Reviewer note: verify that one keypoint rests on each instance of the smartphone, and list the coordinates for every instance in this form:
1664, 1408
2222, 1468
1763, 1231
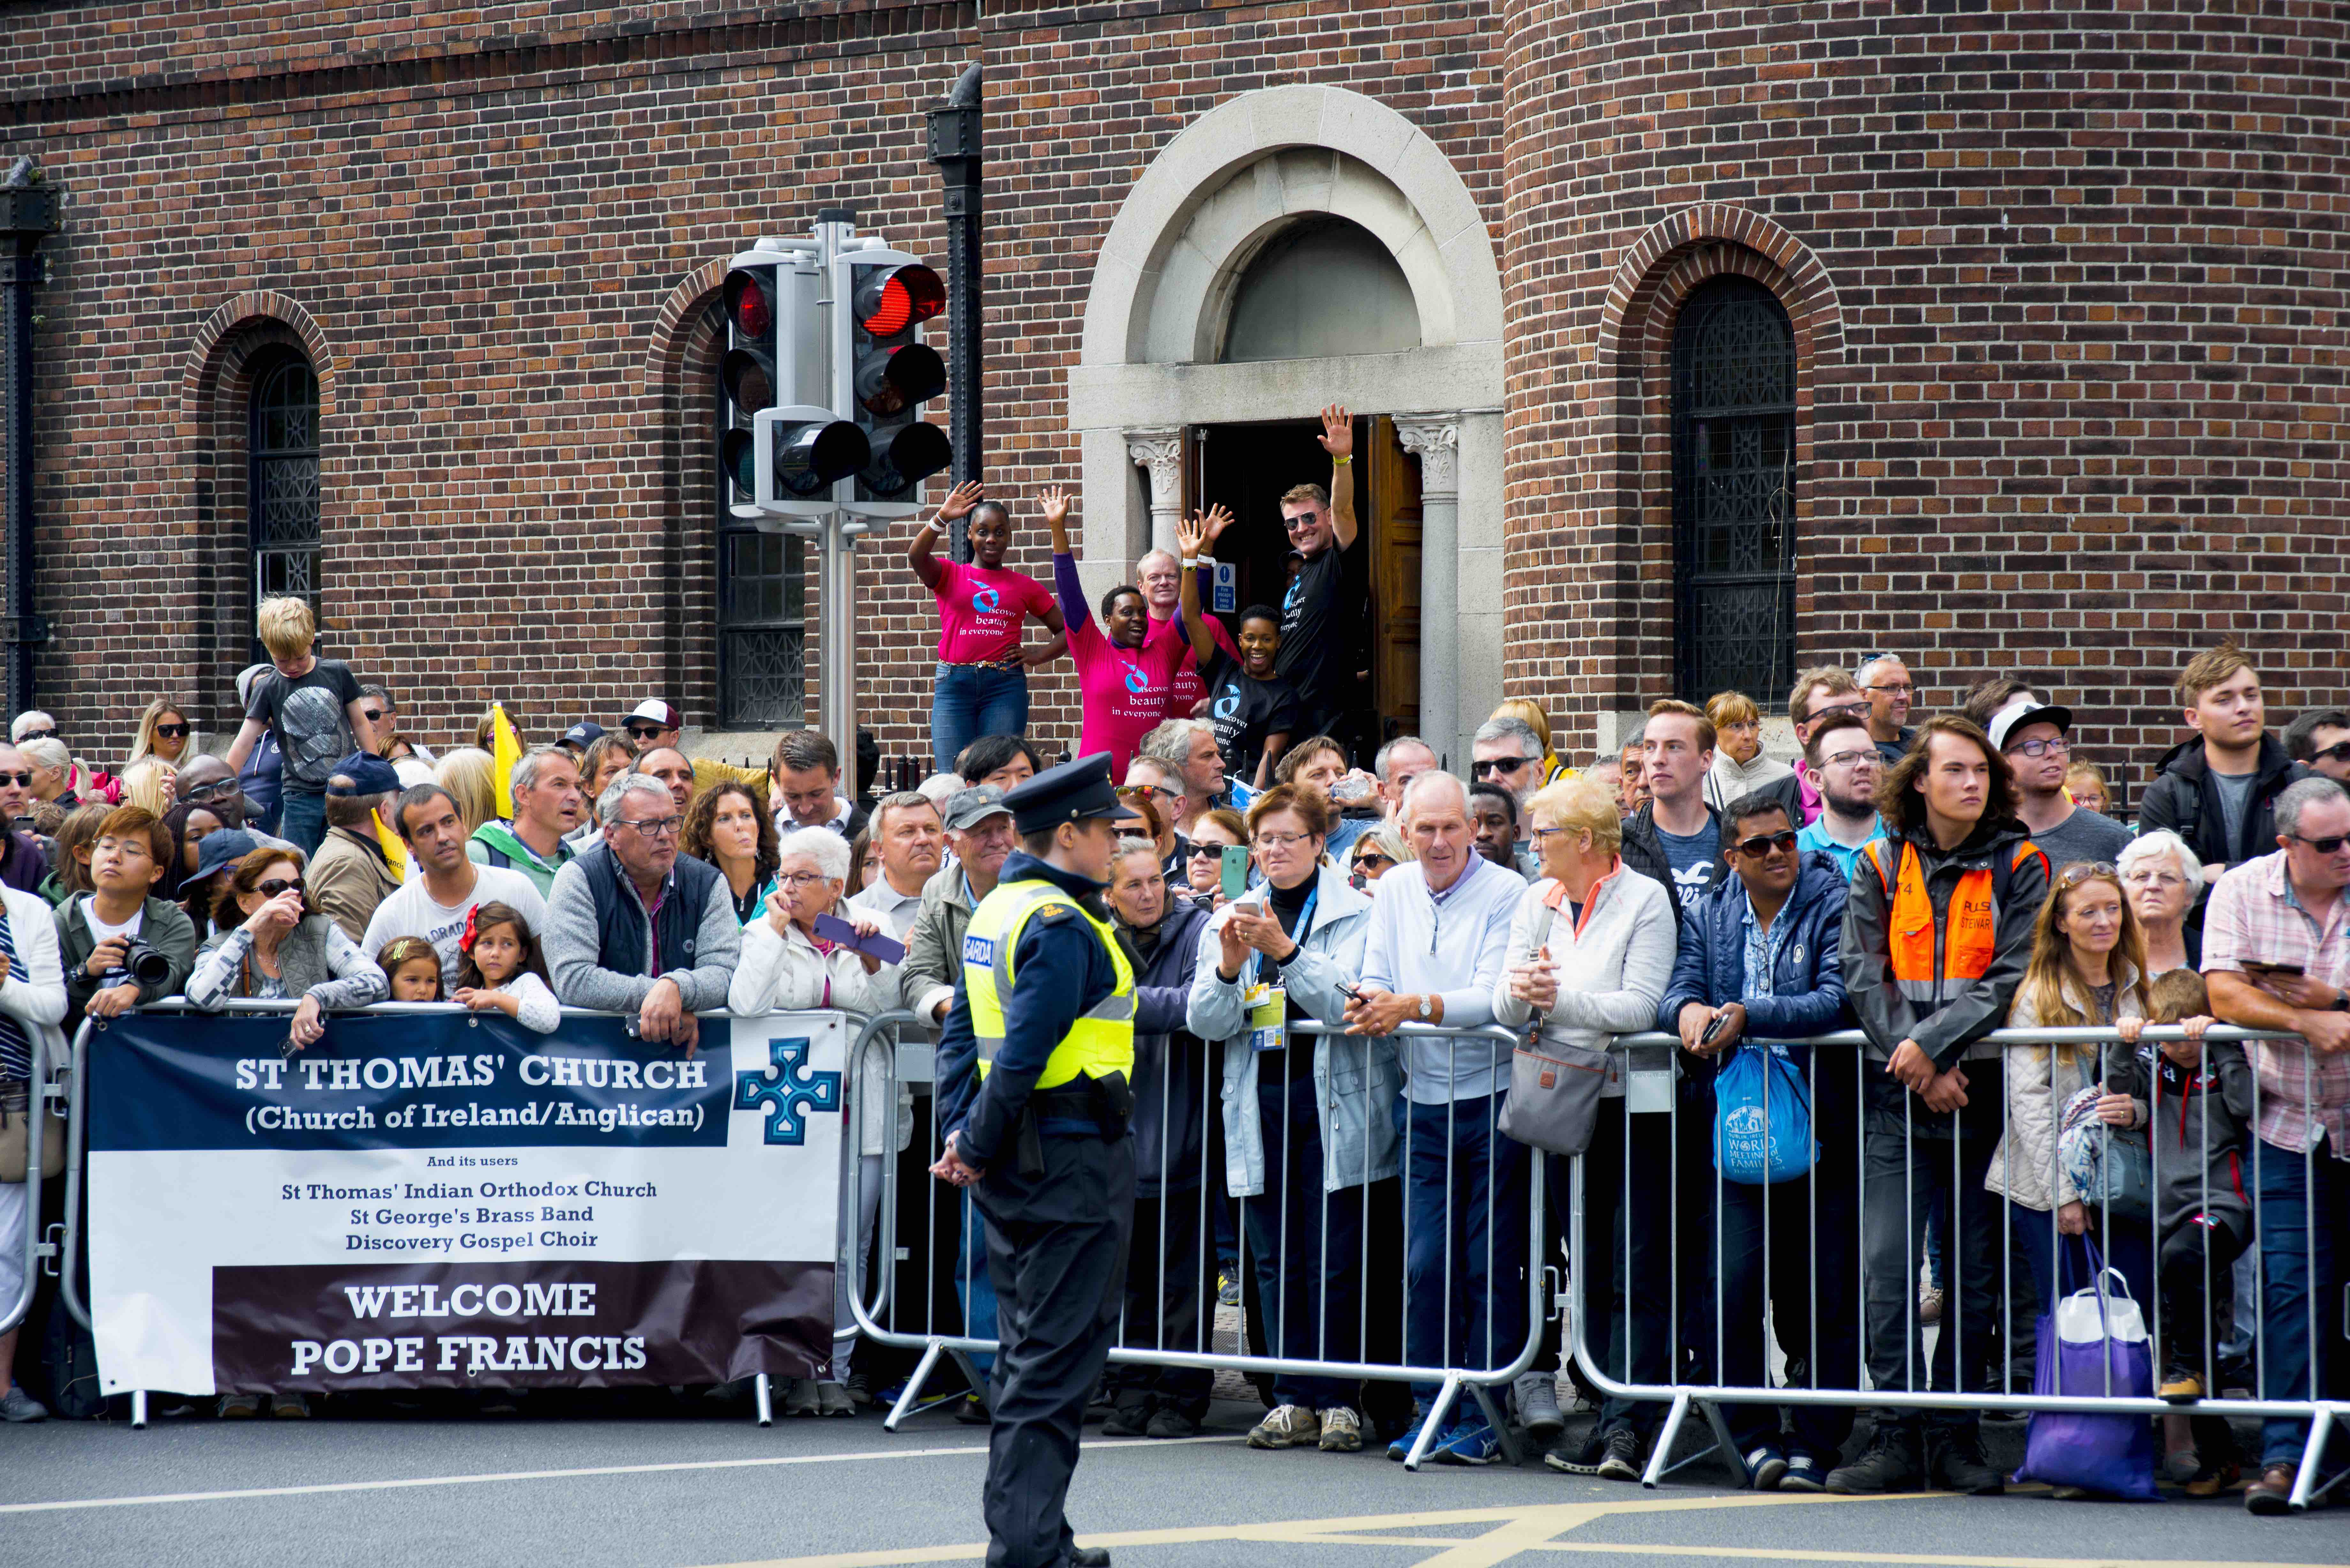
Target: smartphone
2255, 966
1720, 1021
1235, 870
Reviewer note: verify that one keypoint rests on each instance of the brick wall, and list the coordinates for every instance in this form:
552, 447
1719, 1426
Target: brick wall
2066, 285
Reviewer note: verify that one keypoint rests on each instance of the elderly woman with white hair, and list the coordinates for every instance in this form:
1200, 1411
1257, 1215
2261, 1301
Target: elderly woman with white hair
2162, 879
786, 966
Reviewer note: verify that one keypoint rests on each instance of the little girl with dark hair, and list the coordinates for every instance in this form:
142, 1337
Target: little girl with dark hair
502, 972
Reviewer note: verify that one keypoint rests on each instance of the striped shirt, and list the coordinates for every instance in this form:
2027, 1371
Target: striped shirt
2253, 916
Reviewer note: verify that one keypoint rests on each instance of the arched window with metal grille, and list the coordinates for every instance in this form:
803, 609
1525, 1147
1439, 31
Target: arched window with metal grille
282, 489
762, 606
1733, 493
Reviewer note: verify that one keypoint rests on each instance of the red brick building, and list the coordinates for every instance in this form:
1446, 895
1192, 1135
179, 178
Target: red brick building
1692, 343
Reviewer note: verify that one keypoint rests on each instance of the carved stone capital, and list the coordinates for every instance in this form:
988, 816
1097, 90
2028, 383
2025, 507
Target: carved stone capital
1435, 440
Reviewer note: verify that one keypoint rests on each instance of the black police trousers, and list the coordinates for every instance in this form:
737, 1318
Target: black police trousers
1057, 1248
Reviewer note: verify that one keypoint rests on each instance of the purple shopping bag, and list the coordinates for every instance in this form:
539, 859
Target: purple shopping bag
2094, 1343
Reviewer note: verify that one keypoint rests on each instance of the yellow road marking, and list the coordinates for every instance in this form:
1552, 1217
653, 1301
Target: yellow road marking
1518, 1530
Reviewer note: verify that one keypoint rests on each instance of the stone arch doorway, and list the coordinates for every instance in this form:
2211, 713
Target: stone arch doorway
1283, 178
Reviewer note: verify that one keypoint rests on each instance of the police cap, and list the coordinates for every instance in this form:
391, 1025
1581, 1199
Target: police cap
1068, 792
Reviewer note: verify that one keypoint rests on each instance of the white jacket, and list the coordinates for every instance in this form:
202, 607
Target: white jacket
1728, 779
2040, 1079
34, 994
787, 975
1612, 969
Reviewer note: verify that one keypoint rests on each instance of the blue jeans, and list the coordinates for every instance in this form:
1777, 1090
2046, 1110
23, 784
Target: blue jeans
2129, 1247
974, 1286
2302, 1215
304, 825
1465, 1193
969, 702
1308, 1246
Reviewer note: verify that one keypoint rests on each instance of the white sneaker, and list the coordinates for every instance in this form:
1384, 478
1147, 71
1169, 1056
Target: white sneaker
1538, 1409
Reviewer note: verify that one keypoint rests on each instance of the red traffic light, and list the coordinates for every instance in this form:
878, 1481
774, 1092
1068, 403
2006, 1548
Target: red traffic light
891, 380
890, 301
749, 309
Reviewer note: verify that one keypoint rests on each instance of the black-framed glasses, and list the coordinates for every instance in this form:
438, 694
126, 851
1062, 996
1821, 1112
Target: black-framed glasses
1210, 850
655, 826
271, 887
1303, 521
215, 790
2322, 846
174, 731
2060, 746
1855, 709
1497, 764
2339, 752
1849, 759
2079, 871
37, 735
1762, 844
642, 732
23, 779
1903, 687
372, 715
1369, 855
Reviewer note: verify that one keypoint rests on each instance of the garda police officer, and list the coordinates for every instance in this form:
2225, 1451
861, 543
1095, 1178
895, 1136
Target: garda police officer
1033, 1069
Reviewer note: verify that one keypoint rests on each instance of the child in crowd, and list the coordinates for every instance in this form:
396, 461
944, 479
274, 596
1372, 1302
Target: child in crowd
413, 968
502, 972
2087, 786
2202, 1105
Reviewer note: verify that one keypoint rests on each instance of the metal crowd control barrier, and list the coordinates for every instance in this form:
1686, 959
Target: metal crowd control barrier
1666, 1146
1451, 1372
40, 1090
75, 1094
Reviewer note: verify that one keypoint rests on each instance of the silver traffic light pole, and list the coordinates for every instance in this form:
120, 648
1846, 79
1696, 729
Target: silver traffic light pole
835, 545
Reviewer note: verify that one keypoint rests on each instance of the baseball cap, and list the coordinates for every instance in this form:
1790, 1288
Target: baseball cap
652, 710
2026, 710
369, 775
967, 808
583, 734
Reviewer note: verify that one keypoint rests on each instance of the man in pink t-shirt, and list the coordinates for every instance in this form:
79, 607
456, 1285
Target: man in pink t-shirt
1160, 577
983, 608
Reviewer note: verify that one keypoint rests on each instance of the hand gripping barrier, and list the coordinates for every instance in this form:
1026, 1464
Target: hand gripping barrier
1311, 1248
1896, 1174
74, 1093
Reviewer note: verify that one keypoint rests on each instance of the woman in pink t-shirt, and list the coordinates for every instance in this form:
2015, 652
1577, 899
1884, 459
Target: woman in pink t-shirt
982, 676
1123, 679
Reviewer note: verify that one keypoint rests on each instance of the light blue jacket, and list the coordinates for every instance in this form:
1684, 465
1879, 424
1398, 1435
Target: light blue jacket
1357, 1079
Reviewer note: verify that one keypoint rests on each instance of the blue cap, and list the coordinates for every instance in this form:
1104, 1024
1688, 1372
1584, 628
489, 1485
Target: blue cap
222, 848
1068, 792
369, 775
583, 734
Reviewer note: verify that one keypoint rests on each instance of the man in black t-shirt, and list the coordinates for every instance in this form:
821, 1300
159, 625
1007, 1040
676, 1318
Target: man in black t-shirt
1323, 615
315, 710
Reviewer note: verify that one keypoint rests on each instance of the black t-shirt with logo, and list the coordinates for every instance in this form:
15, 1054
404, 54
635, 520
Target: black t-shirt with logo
310, 714
1244, 710
1320, 635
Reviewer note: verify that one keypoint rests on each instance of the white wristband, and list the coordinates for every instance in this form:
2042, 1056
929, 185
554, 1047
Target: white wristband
1190, 563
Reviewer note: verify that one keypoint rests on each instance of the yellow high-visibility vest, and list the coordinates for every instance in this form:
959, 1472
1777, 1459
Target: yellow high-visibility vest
1101, 1040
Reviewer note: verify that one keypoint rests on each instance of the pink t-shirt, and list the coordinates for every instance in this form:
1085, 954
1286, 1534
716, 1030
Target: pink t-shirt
1124, 690
1189, 688
982, 611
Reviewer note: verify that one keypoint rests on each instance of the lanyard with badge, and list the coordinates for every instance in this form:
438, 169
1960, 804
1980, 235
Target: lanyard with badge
1268, 1005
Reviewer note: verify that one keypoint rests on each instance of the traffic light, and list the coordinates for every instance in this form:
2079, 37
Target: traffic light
887, 372
753, 303
797, 454
780, 455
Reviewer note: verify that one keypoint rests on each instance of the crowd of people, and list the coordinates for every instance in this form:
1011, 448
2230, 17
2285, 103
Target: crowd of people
1288, 912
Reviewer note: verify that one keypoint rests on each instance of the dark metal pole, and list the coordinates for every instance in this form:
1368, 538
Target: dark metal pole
955, 149
28, 210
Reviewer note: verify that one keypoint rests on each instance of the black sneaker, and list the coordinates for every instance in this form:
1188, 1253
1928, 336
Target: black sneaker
1890, 1464
1622, 1460
1958, 1465
972, 1411
1169, 1422
1583, 1459
1128, 1419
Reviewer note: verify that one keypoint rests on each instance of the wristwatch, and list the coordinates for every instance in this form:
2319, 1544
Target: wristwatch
1427, 1008
2341, 1002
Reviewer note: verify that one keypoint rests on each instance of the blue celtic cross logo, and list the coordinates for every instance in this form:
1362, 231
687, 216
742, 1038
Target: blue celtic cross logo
793, 1090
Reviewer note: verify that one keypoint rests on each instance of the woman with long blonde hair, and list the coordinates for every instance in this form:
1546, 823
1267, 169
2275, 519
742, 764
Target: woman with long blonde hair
164, 731
465, 771
2088, 970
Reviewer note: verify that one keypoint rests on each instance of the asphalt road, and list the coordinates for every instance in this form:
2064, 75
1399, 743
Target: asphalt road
587, 1491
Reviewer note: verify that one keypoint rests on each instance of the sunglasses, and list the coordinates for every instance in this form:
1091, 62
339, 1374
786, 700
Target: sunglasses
37, 735
1207, 851
638, 731
372, 715
23, 780
2339, 752
1372, 857
1298, 525
174, 731
2322, 846
1498, 764
2081, 871
271, 887
1762, 844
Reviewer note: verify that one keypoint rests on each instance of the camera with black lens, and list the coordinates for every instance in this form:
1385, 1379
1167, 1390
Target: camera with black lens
146, 963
